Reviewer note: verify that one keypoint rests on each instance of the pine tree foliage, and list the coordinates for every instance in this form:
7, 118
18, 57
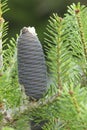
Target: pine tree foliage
9, 87
78, 34
4, 8
58, 57
65, 49
64, 106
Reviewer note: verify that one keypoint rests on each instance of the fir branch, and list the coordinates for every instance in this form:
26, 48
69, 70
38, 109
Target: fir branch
78, 16
1, 28
4, 6
75, 40
75, 102
9, 54
57, 55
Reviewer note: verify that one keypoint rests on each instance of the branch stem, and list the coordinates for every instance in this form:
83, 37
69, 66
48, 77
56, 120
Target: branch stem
58, 57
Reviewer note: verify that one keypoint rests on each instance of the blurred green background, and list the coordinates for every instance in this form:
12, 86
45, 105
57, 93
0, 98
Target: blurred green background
34, 13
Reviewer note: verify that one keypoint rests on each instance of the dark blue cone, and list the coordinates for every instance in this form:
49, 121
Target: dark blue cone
31, 64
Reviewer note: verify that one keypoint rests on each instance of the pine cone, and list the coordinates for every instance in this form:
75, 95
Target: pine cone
31, 64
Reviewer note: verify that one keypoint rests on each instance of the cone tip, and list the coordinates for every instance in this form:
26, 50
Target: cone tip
32, 30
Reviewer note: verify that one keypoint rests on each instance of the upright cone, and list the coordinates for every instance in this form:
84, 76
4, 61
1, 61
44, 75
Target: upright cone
31, 64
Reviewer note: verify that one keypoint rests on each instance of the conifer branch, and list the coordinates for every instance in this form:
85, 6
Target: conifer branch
78, 12
1, 29
75, 102
58, 56
41, 103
